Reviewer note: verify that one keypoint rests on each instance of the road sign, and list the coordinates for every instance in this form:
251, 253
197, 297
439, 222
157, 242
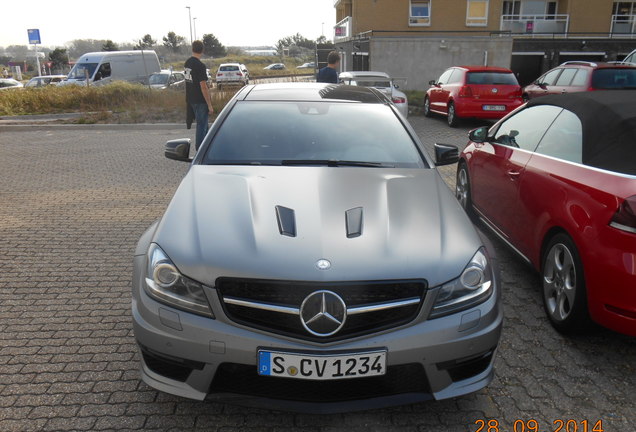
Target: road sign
34, 36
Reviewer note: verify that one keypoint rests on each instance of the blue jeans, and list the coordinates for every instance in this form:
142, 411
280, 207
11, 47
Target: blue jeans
201, 113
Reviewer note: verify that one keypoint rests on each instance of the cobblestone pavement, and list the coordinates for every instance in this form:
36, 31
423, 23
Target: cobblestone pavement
73, 204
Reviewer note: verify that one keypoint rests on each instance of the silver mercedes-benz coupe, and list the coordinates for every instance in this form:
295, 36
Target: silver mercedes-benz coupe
313, 259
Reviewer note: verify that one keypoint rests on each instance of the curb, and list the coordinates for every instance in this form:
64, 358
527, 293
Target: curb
131, 127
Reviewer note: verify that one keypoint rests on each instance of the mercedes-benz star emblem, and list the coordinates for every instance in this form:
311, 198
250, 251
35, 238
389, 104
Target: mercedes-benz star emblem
323, 264
494, 90
323, 313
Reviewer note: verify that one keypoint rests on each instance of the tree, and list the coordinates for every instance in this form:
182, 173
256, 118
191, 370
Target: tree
212, 47
59, 58
109, 45
295, 44
146, 42
78, 47
173, 42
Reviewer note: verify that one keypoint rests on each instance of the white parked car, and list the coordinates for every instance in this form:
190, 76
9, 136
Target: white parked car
381, 81
8, 83
232, 73
45, 80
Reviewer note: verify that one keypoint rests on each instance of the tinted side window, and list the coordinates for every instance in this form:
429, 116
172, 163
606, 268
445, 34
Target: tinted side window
445, 77
580, 79
550, 77
526, 128
566, 77
564, 139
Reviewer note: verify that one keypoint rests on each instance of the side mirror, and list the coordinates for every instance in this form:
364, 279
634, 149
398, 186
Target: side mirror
479, 135
178, 149
446, 154
432, 82
542, 85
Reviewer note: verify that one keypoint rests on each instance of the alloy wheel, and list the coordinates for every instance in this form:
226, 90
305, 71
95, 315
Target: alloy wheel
461, 187
559, 282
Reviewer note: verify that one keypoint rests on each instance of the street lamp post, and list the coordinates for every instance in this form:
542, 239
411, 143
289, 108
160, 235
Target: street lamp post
194, 23
190, 22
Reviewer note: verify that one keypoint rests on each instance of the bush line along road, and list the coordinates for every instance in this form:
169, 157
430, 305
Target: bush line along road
73, 204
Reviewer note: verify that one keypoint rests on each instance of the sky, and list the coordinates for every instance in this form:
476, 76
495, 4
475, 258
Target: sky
233, 22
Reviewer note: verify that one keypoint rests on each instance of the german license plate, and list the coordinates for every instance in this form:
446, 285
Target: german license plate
321, 367
494, 107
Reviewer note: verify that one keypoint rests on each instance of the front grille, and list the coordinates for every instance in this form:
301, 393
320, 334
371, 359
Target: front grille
290, 294
244, 380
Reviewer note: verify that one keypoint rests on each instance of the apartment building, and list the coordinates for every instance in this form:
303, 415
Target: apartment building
530, 36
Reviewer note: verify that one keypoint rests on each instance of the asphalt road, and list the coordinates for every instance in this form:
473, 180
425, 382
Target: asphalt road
73, 204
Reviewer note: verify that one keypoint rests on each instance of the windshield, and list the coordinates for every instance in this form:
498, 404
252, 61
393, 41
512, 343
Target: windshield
312, 133
614, 78
491, 78
158, 79
79, 70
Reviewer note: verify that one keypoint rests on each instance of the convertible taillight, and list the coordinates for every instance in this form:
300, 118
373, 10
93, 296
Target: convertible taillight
398, 100
625, 217
466, 91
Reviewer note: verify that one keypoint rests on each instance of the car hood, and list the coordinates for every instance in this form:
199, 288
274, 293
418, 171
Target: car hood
223, 221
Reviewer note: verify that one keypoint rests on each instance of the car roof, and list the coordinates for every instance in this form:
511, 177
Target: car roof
608, 118
355, 74
49, 76
313, 92
477, 68
597, 65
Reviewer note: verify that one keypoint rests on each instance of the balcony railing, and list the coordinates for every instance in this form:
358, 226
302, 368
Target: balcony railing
342, 30
536, 24
623, 24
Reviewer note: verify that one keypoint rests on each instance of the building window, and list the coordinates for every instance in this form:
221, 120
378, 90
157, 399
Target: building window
420, 13
477, 13
511, 8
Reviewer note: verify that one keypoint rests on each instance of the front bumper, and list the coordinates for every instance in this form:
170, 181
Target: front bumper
197, 357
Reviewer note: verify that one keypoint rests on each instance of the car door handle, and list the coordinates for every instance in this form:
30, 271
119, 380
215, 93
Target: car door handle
514, 175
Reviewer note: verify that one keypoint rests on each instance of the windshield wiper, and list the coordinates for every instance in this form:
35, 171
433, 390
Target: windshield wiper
334, 163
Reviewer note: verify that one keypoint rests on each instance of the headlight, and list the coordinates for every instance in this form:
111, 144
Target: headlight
164, 283
472, 287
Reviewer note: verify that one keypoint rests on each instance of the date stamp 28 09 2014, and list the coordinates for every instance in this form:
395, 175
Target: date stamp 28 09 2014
559, 425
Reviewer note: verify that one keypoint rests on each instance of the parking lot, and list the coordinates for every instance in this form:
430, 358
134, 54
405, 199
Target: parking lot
74, 201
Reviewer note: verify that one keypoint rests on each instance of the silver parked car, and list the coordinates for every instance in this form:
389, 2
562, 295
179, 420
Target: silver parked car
167, 79
381, 81
313, 259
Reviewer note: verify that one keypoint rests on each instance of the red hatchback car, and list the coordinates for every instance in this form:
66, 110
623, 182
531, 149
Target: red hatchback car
556, 180
473, 92
578, 76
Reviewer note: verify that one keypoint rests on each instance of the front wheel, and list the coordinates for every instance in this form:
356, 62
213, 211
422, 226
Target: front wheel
564, 293
462, 189
452, 118
427, 107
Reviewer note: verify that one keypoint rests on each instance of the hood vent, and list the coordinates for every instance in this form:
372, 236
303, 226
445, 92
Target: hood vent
353, 220
286, 221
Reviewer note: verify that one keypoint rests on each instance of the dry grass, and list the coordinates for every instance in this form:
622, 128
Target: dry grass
118, 102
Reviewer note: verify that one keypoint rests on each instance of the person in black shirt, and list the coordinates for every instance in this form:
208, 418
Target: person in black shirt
329, 73
197, 91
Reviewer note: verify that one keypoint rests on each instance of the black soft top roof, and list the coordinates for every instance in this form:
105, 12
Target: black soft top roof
609, 126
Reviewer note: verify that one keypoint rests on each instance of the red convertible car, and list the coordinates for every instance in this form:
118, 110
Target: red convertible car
556, 180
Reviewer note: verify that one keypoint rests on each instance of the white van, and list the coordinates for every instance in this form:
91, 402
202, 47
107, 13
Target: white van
105, 67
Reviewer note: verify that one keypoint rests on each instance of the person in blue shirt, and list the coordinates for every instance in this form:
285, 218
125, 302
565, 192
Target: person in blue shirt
329, 73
